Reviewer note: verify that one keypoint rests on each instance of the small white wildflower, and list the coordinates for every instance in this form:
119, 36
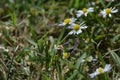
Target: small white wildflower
77, 29
84, 11
95, 2
89, 59
58, 47
108, 12
67, 21
101, 70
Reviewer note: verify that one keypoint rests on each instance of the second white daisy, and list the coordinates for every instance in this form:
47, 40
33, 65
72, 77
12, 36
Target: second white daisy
76, 28
101, 70
108, 11
84, 11
67, 21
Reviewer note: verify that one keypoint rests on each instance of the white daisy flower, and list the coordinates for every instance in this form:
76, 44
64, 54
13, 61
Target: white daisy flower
58, 47
84, 11
95, 2
108, 11
67, 21
77, 29
89, 59
101, 70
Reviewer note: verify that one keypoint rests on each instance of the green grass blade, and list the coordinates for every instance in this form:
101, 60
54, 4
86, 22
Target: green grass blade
116, 58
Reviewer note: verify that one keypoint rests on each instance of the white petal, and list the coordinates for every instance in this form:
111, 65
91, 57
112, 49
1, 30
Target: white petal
107, 67
82, 23
83, 27
71, 32
86, 13
112, 8
102, 12
61, 24
114, 11
92, 75
90, 9
79, 13
104, 15
110, 15
71, 26
74, 32
79, 31
73, 19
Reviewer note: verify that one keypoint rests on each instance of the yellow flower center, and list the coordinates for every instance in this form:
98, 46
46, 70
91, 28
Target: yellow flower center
67, 21
84, 10
108, 11
76, 27
60, 46
66, 55
100, 70
97, 1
